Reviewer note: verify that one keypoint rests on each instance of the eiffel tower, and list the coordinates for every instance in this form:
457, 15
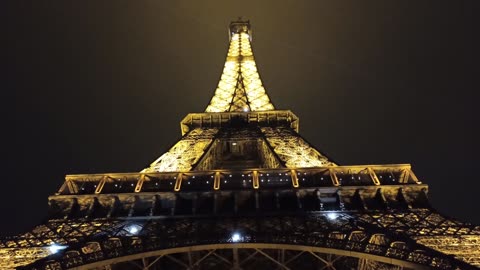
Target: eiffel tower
243, 190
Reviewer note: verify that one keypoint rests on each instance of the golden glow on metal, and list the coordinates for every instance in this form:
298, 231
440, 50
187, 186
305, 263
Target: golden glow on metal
139, 185
100, 185
263, 118
334, 178
464, 247
373, 176
293, 150
294, 178
185, 153
178, 183
216, 183
240, 95
10, 258
256, 184
334, 173
240, 88
180, 157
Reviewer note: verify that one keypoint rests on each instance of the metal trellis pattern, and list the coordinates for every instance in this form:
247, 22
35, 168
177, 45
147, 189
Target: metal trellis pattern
185, 153
293, 150
240, 88
243, 190
339, 232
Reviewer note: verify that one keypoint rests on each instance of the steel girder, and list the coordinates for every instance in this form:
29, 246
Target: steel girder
342, 234
244, 256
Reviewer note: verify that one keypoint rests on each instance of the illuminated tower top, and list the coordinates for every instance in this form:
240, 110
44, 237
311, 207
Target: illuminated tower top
240, 128
240, 88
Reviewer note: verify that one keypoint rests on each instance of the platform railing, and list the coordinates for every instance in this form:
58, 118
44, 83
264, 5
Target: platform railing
282, 178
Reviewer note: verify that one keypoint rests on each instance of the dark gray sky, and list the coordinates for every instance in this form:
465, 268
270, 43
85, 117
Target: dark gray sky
100, 86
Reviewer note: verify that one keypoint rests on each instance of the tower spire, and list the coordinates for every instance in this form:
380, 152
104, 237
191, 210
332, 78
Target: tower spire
240, 88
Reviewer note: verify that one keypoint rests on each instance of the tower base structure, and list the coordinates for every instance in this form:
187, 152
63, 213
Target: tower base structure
243, 190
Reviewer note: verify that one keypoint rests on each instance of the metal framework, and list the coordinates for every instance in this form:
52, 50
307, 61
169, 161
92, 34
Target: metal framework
185, 153
243, 190
370, 215
293, 150
240, 88
347, 233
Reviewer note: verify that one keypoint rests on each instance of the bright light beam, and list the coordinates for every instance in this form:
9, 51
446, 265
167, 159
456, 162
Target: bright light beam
236, 237
54, 248
332, 216
133, 229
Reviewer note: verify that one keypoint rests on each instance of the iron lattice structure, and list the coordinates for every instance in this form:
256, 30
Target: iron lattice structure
240, 88
243, 190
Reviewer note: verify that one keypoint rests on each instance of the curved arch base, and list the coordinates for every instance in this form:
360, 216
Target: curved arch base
251, 256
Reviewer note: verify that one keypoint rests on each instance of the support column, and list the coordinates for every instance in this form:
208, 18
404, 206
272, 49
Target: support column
236, 264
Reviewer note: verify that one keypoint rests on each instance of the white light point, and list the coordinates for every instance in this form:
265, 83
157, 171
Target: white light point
332, 216
236, 237
133, 229
54, 248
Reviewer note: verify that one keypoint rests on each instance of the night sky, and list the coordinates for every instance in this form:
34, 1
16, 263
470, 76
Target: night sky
101, 86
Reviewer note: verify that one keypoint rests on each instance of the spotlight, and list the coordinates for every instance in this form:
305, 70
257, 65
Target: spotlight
133, 229
332, 216
236, 237
54, 248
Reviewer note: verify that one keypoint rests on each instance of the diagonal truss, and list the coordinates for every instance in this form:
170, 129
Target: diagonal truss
252, 258
371, 245
192, 208
240, 88
185, 153
294, 151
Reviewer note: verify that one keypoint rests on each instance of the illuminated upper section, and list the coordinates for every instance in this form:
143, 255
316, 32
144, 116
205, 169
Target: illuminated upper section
240, 127
240, 88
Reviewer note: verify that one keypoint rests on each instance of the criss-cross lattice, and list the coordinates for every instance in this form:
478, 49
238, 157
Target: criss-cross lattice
240, 88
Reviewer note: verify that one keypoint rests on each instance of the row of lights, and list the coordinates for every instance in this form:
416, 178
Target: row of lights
244, 181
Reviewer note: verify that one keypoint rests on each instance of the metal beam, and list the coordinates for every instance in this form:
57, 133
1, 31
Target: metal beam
153, 262
167, 252
272, 259
139, 185
222, 258
236, 264
177, 261
204, 257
